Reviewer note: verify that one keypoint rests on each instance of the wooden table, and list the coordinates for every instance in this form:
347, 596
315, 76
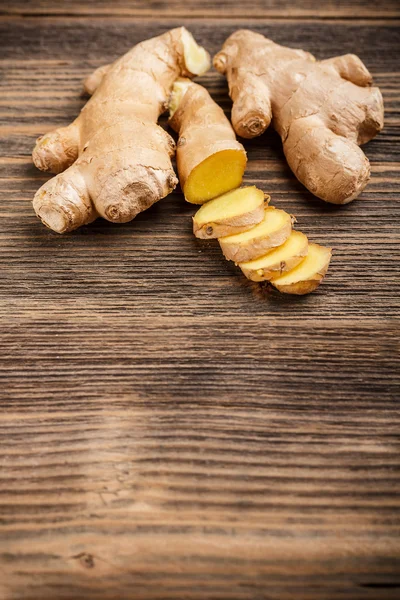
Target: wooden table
170, 430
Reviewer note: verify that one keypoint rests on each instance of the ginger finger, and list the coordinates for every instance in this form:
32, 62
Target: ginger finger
57, 150
92, 81
210, 160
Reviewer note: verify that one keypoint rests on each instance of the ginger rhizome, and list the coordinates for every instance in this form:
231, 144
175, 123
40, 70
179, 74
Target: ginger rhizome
114, 161
323, 110
210, 160
264, 245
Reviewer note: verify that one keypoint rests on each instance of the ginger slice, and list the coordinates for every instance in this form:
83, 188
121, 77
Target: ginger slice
234, 212
273, 231
307, 276
277, 261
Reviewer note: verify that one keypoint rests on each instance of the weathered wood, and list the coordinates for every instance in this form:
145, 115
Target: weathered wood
170, 430
157, 9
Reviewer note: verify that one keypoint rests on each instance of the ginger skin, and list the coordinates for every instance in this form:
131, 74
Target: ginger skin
210, 160
114, 161
323, 110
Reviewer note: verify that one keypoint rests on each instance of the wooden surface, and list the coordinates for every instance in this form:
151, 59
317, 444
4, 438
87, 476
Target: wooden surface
168, 429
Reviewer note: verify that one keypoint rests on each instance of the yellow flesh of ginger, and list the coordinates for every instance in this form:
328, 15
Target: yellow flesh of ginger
290, 253
316, 262
273, 221
233, 204
219, 173
178, 91
197, 60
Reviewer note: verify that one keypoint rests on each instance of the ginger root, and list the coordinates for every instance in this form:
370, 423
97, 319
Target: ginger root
210, 160
323, 110
233, 212
114, 161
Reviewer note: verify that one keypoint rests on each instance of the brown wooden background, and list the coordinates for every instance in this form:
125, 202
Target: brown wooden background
168, 429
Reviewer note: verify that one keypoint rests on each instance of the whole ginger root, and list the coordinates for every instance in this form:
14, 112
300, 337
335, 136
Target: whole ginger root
114, 161
323, 110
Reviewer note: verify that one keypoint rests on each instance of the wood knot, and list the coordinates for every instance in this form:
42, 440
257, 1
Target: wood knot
86, 560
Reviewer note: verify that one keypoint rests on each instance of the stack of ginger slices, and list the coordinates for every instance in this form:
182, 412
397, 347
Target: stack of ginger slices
261, 240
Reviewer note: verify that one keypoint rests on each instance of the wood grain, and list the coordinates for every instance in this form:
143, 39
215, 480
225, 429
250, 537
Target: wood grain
168, 429
157, 9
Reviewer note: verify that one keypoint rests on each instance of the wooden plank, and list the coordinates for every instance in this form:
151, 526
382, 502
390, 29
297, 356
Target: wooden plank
97, 40
96, 496
354, 9
170, 430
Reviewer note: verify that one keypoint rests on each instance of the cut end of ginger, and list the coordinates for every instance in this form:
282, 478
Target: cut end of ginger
219, 173
179, 89
273, 231
307, 276
233, 212
277, 261
197, 59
